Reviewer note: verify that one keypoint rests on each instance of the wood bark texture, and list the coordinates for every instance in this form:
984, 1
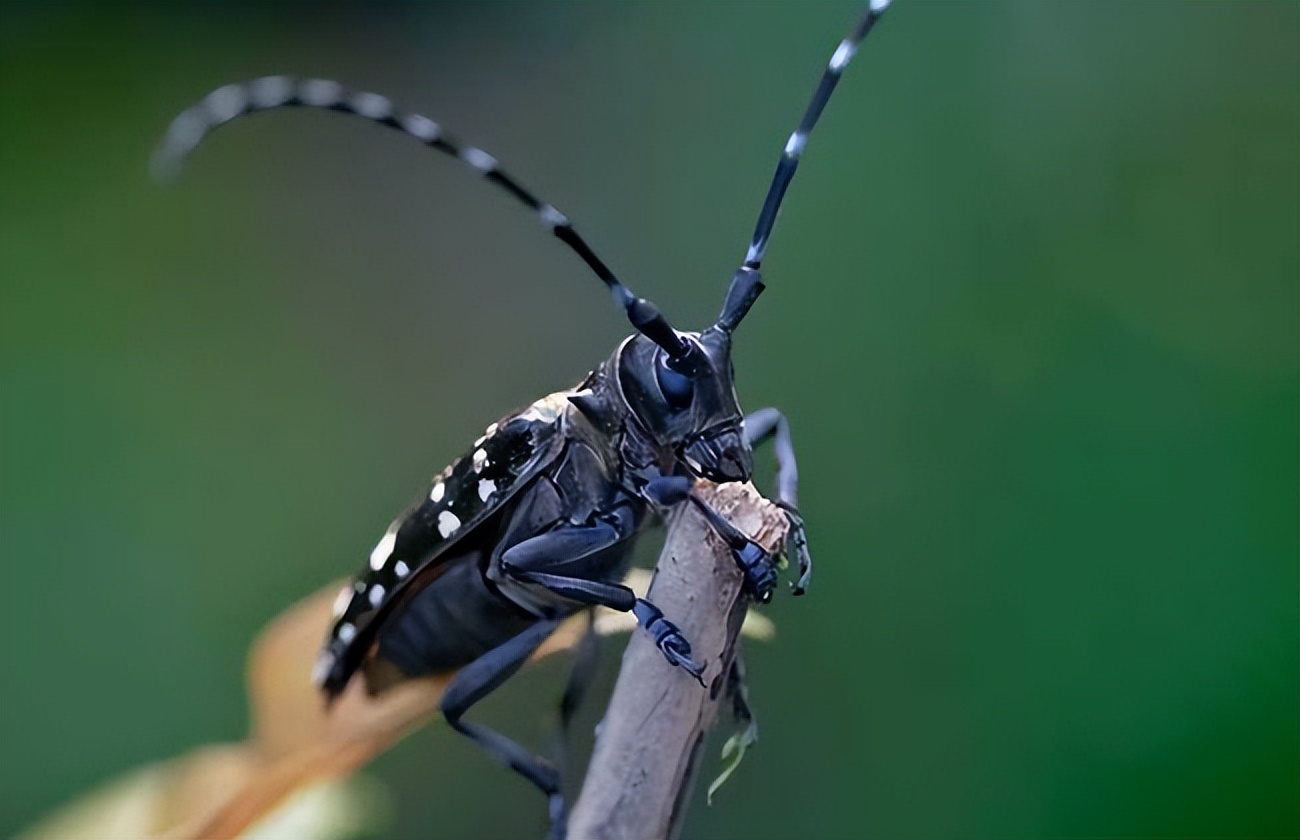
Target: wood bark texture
645, 759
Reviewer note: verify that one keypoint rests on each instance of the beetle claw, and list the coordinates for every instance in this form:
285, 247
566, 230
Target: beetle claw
677, 651
670, 641
797, 543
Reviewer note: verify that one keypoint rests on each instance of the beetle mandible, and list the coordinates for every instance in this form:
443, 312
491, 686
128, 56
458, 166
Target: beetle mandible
537, 520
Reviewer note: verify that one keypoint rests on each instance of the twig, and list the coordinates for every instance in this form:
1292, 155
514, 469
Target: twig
645, 760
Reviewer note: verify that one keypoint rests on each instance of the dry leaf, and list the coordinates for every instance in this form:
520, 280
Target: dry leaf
289, 779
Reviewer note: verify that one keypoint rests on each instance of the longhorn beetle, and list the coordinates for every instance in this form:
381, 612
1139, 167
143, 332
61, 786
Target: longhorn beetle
536, 521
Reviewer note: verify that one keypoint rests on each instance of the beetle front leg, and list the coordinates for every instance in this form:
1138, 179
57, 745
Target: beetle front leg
771, 423
755, 562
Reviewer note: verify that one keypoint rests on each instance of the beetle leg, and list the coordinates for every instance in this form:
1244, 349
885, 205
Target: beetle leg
754, 561
668, 490
797, 540
667, 637
581, 675
670, 641
555, 560
561, 560
771, 423
478, 679
594, 592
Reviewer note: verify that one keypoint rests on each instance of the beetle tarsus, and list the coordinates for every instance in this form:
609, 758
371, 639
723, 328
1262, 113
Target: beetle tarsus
754, 561
670, 641
759, 570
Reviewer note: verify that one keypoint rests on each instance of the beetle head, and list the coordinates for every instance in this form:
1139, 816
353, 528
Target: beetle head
695, 414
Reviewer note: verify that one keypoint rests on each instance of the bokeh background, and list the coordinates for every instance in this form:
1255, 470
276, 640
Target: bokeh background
1032, 311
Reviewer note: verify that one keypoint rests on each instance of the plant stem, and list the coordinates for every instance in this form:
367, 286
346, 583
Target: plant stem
646, 756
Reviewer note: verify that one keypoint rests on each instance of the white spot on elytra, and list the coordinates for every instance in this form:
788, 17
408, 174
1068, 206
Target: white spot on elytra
486, 487
843, 55
480, 460
401, 569
341, 601
879, 6
487, 435
435, 495
422, 127
795, 145
383, 551
551, 406
346, 632
448, 522
321, 668
376, 595
478, 159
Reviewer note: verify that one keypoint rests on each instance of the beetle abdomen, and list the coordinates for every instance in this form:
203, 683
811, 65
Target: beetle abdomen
447, 624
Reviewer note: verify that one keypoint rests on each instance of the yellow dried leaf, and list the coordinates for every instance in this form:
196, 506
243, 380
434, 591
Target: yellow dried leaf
286, 778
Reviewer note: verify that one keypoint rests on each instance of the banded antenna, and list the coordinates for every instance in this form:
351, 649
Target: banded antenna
747, 284
230, 102
798, 141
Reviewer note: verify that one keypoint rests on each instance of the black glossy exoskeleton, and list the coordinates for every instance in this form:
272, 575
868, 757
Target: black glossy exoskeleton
537, 520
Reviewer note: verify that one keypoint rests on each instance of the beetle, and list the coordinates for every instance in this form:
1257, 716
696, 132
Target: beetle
536, 521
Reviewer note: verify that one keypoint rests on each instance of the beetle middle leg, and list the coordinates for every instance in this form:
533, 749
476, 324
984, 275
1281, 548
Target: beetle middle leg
563, 561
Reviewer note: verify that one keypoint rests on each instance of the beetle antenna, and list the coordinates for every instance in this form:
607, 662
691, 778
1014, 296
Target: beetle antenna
799, 139
230, 102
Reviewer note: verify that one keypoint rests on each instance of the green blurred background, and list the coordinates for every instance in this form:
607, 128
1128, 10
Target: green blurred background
1032, 311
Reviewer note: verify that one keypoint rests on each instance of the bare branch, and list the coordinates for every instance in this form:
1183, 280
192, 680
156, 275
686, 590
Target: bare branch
644, 763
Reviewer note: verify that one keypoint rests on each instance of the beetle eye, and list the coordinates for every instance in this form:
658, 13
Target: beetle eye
677, 388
